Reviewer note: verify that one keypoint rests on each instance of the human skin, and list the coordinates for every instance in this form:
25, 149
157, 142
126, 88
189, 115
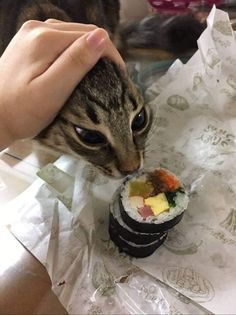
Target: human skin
40, 68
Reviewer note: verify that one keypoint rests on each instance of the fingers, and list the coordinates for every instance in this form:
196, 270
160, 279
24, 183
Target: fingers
45, 49
84, 53
74, 63
112, 53
44, 28
58, 25
69, 26
53, 21
67, 71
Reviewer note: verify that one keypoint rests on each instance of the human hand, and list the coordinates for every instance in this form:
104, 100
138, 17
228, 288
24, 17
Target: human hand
39, 70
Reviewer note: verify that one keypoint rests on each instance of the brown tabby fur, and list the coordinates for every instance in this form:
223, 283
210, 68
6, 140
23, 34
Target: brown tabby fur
105, 101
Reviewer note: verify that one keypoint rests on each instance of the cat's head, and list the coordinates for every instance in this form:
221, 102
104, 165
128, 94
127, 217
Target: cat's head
104, 121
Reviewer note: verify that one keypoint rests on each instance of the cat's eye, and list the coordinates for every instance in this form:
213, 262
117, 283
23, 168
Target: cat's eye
90, 137
140, 121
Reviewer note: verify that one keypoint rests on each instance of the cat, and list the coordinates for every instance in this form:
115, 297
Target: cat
106, 124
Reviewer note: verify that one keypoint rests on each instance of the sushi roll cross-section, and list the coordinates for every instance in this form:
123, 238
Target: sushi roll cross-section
144, 209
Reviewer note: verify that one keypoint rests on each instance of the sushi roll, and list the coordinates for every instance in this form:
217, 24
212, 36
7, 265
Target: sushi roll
131, 248
153, 202
143, 209
124, 230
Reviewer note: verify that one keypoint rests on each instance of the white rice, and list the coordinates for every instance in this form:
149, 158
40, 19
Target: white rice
181, 201
143, 245
115, 210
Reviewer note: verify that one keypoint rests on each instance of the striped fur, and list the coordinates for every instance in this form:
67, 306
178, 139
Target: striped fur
108, 107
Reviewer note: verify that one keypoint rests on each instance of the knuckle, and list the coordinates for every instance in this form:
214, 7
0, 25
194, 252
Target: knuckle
52, 21
79, 58
104, 32
36, 32
92, 26
75, 58
30, 24
40, 35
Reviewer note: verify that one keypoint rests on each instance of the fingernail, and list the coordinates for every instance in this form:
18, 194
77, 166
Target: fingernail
96, 40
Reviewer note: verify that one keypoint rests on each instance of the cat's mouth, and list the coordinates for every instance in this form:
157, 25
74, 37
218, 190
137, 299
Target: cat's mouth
107, 171
123, 170
117, 175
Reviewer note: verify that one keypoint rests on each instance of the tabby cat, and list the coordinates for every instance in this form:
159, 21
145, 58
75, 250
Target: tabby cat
105, 120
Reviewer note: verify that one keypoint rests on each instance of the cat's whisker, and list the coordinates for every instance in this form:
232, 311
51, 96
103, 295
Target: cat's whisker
150, 140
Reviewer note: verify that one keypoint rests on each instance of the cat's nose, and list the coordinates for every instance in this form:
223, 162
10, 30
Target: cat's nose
129, 168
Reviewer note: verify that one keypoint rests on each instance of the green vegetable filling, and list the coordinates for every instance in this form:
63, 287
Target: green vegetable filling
171, 195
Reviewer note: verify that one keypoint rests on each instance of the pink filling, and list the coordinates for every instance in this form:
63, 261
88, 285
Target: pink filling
145, 211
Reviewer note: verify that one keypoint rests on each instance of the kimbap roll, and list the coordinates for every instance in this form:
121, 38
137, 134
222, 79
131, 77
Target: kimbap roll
124, 230
131, 248
144, 209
